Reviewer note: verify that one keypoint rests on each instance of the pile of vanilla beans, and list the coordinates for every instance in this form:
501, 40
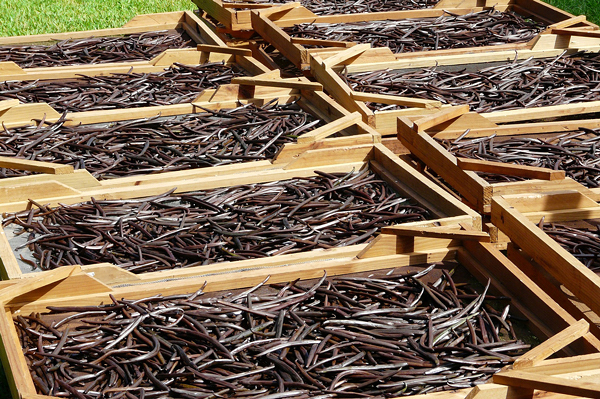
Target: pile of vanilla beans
577, 153
378, 336
176, 84
483, 28
95, 50
159, 144
519, 84
224, 224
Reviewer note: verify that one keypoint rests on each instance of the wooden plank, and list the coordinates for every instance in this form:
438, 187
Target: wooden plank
329, 129
530, 172
442, 116
473, 188
442, 232
274, 9
552, 345
557, 366
18, 192
35, 166
577, 32
399, 100
567, 22
347, 54
562, 265
40, 280
544, 202
322, 157
277, 37
6, 104
207, 34
530, 380
541, 186
9, 267
27, 112
303, 41
338, 89
224, 50
291, 83
16, 369
496, 391
543, 112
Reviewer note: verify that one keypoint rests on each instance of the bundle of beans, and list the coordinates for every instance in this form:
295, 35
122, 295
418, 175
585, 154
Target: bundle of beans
177, 84
157, 144
581, 243
345, 337
573, 152
520, 84
356, 6
483, 28
225, 224
95, 50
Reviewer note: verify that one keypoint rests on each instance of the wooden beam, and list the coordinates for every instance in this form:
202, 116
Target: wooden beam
304, 41
472, 187
552, 345
563, 266
576, 32
565, 386
41, 280
442, 116
347, 54
6, 104
330, 128
567, 22
225, 50
530, 172
292, 83
35, 166
275, 9
433, 232
399, 100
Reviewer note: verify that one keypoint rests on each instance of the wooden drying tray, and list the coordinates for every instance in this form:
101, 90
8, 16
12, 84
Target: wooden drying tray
324, 67
195, 27
235, 15
403, 250
66, 180
540, 256
460, 174
264, 23
13, 114
292, 162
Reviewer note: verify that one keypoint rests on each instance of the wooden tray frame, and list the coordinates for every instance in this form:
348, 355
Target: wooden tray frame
13, 114
198, 29
294, 161
270, 29
475, 190
76, 286
235, 16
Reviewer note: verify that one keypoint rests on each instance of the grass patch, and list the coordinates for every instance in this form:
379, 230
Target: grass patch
30, 17
589, 8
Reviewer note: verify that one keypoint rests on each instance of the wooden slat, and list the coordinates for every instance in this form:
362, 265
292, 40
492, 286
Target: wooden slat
6, 104
40, 280
577, 278
224, 50
347, 54
530, 172
304, 41
552, 345
277, 37
576, 32
565, 386
442, 116
329, 129
567, 22
9, 267
442, 232
399, 100
35, 166
292, 83
473, 188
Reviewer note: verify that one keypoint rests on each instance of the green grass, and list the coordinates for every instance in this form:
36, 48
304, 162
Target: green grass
29, 17
589, 8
